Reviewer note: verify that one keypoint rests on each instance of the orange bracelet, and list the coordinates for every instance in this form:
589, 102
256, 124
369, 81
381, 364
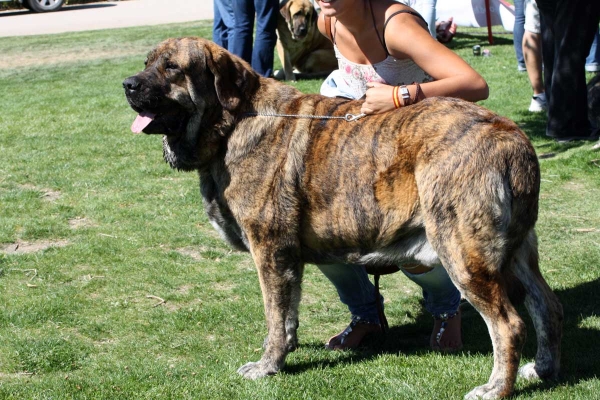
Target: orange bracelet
395, 97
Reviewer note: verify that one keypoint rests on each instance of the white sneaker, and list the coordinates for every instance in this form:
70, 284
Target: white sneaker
538, 103
592, 67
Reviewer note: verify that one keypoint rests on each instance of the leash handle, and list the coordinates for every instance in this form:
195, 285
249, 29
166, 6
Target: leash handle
354, 117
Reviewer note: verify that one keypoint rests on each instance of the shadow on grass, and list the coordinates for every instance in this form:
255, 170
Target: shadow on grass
580, 349
534, 126
468, 40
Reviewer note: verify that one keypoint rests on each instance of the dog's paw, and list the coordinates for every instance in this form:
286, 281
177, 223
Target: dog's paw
255, 370
528, 371
486, 391
535, 370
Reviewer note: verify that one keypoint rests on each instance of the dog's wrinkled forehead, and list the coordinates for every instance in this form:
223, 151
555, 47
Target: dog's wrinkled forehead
300, 8
181, 52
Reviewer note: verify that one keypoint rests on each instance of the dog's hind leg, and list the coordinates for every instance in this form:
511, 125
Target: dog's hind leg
280, 285
545, 311
506, 329
474, 267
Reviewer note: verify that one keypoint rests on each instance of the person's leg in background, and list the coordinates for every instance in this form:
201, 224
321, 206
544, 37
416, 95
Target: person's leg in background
427, 10
358, 293
442, 300
267, 12
568, 29
592, 62
518, 31
224, 23
532, 52
243, 11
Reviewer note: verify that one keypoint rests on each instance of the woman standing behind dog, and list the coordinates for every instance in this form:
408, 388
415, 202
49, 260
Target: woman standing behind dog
387, 56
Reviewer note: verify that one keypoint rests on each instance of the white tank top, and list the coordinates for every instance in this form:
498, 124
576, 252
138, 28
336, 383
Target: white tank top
389, 71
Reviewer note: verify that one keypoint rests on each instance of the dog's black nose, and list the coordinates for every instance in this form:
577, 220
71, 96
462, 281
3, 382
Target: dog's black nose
302, 31
131, 83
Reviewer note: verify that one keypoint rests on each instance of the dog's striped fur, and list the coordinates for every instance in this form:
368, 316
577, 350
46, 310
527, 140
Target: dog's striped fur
443, 180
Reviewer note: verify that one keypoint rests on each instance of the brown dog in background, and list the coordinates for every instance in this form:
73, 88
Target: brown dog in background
300, 45
293, 178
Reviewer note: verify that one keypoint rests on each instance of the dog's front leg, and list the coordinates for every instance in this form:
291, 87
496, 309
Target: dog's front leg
280, 281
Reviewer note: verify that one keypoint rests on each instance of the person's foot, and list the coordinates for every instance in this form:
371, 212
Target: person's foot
352, 336
447, 334
538, 103
592, 67
593, 135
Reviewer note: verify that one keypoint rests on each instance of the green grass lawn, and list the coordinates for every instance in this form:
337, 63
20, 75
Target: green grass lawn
95, 229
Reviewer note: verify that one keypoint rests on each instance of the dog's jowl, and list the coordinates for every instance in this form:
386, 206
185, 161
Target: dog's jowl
442, 181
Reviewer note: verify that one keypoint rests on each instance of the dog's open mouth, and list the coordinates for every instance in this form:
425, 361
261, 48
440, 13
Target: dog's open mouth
172, 123
142, 121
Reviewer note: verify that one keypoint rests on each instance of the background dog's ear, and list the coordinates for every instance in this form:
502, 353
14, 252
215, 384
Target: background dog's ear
232, 78
285, 11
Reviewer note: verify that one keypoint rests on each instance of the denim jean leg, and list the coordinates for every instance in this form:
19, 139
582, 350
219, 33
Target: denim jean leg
440, 294
219, 28
594, 57
519, 30
224, 23
243, 11
266, 36
354, 288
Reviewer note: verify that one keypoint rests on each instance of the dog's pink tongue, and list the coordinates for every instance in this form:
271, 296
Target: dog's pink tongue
141, 121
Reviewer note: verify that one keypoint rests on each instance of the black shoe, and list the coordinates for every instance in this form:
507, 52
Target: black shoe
594, 133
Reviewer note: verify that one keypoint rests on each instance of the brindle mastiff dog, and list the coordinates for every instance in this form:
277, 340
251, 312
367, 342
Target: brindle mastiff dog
442, 181
300, 45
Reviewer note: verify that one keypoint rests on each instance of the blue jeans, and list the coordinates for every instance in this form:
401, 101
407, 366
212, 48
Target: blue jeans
358, 293
594, 56
261, 54
223, 24
519, 30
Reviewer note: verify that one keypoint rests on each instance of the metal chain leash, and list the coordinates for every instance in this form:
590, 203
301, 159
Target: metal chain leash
348, 117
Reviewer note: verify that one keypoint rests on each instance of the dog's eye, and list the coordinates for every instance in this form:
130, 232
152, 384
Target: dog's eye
170, 65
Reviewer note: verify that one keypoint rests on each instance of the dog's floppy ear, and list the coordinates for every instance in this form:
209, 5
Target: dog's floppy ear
285, 11
232, 77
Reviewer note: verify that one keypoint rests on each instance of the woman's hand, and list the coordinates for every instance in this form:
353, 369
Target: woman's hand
378, 98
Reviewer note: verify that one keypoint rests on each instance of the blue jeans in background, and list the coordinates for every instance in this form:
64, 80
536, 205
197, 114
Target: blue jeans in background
259, 54
518, 31
224, 23
592, 62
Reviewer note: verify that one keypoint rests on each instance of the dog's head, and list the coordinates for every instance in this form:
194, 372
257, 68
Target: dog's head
189, 91
299, 16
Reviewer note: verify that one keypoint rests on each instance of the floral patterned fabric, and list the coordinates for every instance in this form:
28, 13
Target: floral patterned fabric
389, 71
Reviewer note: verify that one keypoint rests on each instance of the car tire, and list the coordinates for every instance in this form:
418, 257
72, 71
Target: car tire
43, 5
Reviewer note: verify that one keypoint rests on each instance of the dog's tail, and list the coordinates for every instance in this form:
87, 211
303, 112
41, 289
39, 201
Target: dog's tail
523, 179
